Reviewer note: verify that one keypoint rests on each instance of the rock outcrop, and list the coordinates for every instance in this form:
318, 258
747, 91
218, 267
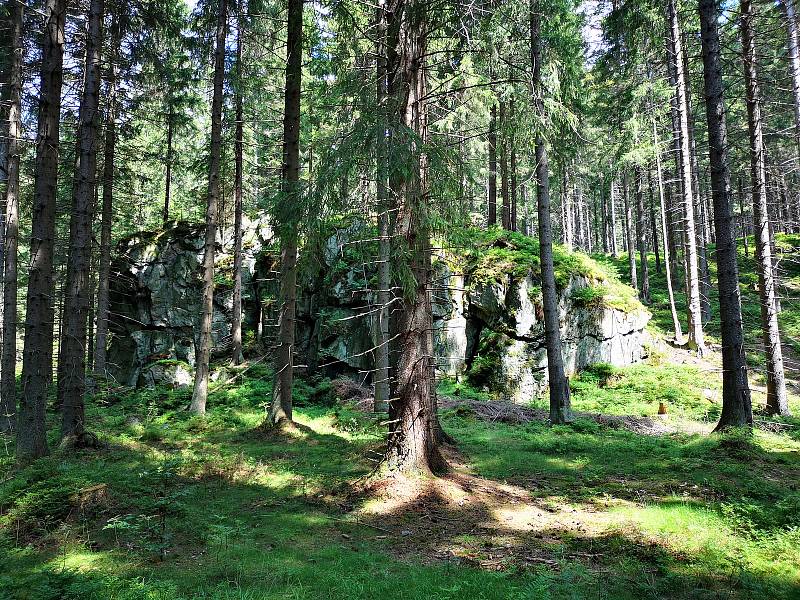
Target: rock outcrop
487, 310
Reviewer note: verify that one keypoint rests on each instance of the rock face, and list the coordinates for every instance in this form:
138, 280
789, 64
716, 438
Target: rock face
488, 329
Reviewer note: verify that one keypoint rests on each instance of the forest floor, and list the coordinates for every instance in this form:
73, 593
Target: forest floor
622, 503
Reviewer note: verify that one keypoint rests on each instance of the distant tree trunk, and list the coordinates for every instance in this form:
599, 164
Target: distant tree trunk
776, 383
794, 66
414, 433
613, 220
72, 357
653, 223
644, 292
8, 363
382, 387
630, 247
281, 409
736, 405
560, 406
203, 340
104, 268
236, 315
493, 166
604, 215
676, 63
668, 261
168, 178
742, 218
513, 184
506, 212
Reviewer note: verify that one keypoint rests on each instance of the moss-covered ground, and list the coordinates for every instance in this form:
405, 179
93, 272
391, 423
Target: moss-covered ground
180, 507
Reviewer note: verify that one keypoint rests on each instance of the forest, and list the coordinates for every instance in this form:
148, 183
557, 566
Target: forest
406, 299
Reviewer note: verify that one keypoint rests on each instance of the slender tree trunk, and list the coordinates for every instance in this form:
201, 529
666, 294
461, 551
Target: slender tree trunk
675, 60
281, 409
776, 384
493, 166
513, 217
630, 248
382, 387
236, 316
8, 363
653, 223
668, 262
604, 215
736, 405
168, 177
38, 344
104, 269
560, 406
506, 212
613, 220
794, 66
203, 340
72, 357
644, 292
414, 432
742, 218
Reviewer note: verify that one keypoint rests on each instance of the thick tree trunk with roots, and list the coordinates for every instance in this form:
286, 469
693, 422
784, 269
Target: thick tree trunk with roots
38, 345
560, 407
281, 408
203, 340
777, 402
736, 404
414, 432
678, 76
8, 363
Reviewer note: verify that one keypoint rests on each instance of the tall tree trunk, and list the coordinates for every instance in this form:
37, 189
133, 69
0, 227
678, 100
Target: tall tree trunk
560, 406
736, 405
669, 264
776, 383
603, 216
742, 218
676, 63
104, 269
513, 218
613, 219
492, 219
8, 363
281, 409
644, 292
168, 174
414, 433
630, 247
653, 223
382, 387
236, 316
504, 192
38, 344
794, 66
203, 340
72, 356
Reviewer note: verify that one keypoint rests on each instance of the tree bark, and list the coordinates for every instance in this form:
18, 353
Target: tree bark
492, 218
630, 247
736, 404
777, 402
236, 314
72, 356
676, 63
104, 268
203, 340
281, 409
794, 66
506, 212
513, 217
38, 344
8, 363
560, 406
382, 387
613, 219
414, 432
653, 222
